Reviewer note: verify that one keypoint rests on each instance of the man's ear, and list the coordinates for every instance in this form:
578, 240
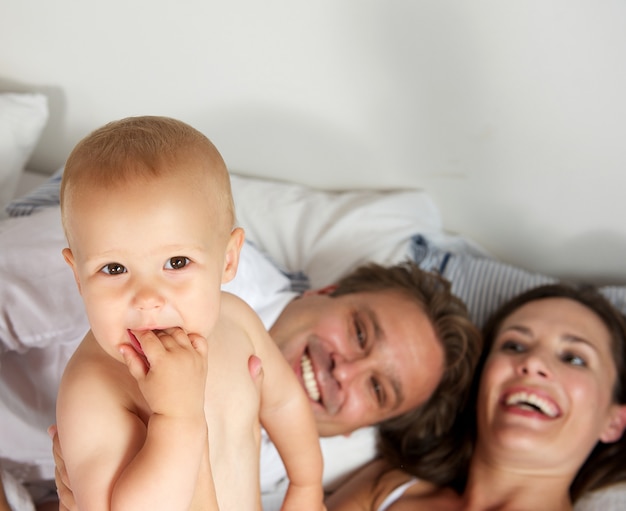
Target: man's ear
615, 428
69, 259
321, 291
231, 258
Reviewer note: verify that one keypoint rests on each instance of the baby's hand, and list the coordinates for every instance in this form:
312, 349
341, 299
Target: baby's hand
174, 383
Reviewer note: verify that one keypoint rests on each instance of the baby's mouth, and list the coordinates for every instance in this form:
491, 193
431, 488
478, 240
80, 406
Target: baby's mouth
308, 377
135, 343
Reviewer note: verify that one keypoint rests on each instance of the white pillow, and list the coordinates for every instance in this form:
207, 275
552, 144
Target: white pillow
324, 233
22, 119
319, 233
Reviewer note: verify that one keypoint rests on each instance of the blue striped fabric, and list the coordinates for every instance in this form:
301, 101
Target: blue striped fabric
299, 281
43, 196
484, 284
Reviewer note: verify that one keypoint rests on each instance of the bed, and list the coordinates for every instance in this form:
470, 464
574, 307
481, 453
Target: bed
312, 236
354, 131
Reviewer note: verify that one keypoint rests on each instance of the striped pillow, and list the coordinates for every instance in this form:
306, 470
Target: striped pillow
43, 196
484, 284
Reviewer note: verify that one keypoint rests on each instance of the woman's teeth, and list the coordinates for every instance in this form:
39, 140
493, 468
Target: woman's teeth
532, 401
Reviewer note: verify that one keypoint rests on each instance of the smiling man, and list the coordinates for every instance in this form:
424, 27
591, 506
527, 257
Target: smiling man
385, 345
356, 355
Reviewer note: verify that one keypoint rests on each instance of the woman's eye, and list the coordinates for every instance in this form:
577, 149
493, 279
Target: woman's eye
176, 263
574, 360
113, 269
513, 346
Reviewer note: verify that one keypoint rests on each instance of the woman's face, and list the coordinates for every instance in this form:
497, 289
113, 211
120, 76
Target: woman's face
547, 387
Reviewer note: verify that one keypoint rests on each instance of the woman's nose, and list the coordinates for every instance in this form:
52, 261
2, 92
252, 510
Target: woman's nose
535, 363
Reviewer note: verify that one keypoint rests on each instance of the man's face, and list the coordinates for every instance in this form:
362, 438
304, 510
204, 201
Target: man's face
362, 357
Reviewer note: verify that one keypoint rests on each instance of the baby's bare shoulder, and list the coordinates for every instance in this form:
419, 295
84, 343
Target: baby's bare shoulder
232, 304
92, 372
91, 362
238, 315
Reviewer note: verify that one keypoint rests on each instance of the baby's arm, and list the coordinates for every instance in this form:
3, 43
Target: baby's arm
63, 484
287, 416
113, 460
176, 445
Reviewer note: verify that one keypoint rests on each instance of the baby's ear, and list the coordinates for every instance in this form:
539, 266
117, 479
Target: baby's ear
231, 258
69, 259
615, 428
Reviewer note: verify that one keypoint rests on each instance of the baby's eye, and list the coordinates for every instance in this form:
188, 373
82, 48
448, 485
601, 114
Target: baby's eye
177, 263
573, 359
113, 269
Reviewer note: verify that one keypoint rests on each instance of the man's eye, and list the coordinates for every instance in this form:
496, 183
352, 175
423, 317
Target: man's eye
176, 263
113, 269
360, 334
378, 391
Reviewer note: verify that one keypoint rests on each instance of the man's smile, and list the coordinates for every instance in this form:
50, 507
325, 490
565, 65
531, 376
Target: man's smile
308, 378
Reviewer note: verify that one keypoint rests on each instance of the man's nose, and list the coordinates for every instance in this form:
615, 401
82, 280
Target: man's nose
346, 370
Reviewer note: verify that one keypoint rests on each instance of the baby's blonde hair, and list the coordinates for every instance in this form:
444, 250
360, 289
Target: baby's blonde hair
141, 148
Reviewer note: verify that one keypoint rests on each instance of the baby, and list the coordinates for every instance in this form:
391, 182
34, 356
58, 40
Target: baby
156, 408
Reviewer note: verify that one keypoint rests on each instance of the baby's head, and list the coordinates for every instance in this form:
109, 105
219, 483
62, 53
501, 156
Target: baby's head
133, 152
148, 214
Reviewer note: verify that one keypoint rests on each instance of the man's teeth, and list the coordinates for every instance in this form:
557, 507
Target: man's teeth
308, 376
532, 401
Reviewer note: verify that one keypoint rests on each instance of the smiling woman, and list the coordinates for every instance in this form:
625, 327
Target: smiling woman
573, 342
548, 383
548, 408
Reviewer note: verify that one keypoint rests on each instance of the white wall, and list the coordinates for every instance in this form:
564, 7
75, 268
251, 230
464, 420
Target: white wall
511, 114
